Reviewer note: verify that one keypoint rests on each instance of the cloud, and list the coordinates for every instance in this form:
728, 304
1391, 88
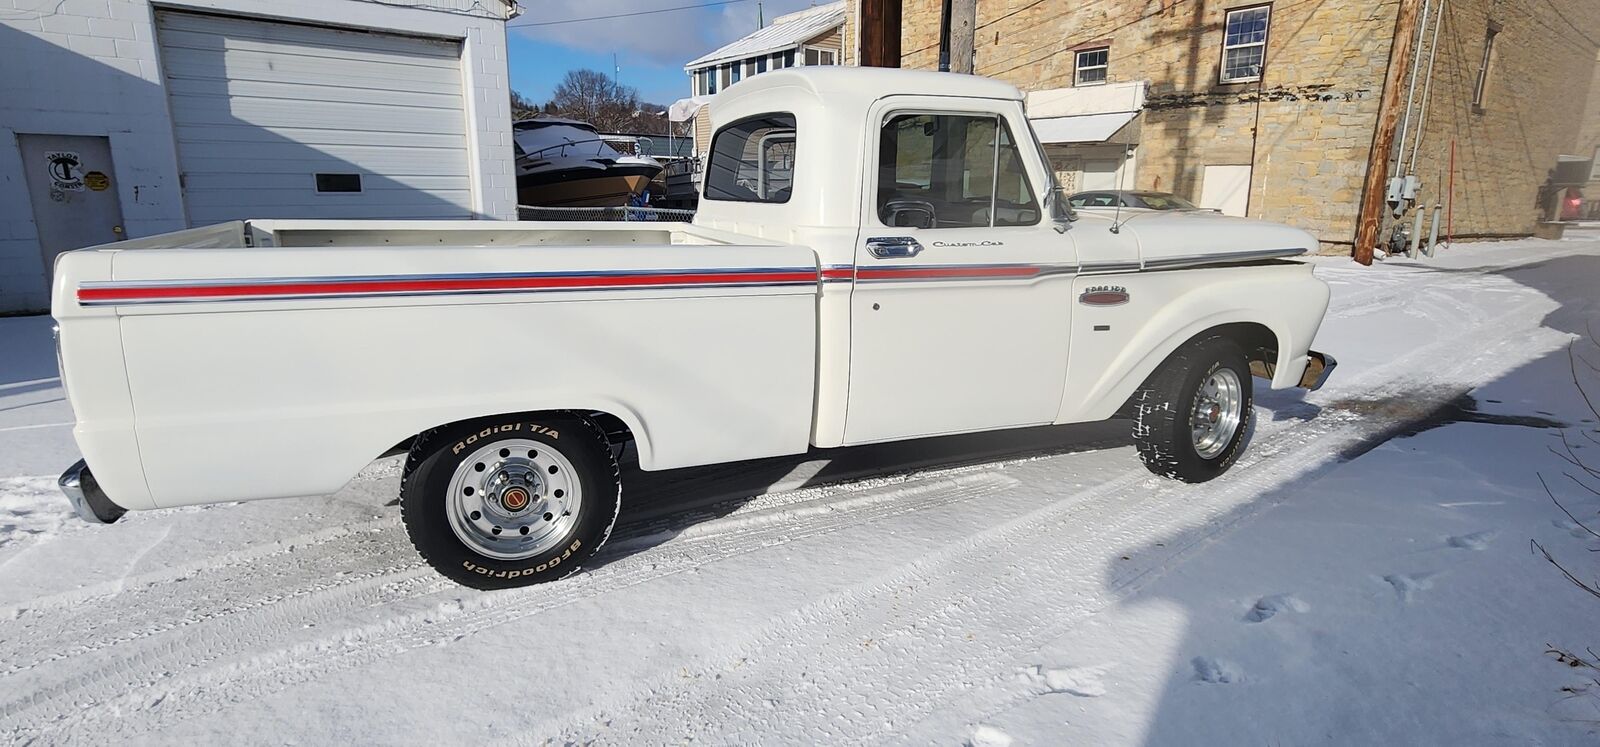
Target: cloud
668, 39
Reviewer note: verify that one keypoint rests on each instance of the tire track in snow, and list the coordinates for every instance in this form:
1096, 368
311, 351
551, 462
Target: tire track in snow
97, 702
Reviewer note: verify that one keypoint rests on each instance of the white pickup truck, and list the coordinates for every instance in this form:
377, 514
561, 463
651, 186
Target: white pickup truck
878, 255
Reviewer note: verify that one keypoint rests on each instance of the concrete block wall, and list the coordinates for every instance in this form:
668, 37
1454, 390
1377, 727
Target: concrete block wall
91, 67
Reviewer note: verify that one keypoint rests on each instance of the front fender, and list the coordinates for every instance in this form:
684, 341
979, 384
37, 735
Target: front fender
1167, 309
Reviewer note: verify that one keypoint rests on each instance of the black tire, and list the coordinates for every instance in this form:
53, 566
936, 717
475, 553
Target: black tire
1164, 409
432, 464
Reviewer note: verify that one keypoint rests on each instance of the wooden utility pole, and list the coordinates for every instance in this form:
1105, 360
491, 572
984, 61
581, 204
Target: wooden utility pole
880, 33
963, 26
1374, 190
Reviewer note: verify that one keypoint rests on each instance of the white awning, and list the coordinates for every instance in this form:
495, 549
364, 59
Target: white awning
684, 110
1081, 128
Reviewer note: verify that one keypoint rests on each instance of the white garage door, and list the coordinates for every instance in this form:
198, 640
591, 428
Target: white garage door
279, 120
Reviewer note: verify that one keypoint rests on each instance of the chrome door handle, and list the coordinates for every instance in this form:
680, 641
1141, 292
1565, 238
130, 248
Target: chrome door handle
893, 247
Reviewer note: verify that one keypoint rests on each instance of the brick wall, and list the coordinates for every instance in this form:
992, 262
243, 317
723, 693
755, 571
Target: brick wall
90, 67
1589, 132
1307, 126
1532, 111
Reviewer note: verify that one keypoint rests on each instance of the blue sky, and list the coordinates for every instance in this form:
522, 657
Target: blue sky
651, 49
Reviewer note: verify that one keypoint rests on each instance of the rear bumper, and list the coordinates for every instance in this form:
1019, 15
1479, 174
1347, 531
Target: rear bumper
1318, 367
87, 499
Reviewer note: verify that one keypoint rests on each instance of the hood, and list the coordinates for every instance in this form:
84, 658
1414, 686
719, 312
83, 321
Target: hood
1180, 235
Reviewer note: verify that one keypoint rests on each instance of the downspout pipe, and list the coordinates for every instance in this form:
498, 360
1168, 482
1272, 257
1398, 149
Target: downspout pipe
1427, 86
1411, 90
944, 37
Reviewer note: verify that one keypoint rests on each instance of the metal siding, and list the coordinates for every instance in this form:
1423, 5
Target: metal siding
260, 107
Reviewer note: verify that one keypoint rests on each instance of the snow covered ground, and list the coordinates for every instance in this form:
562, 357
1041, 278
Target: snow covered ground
1364, 575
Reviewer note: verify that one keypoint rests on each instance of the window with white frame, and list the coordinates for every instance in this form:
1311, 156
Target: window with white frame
749, 68
1244, 44
816, 56
735, 67
723, 75
1090, 69
761, 64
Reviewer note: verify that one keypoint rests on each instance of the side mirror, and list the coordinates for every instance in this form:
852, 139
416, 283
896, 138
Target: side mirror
909, 214
1059, 210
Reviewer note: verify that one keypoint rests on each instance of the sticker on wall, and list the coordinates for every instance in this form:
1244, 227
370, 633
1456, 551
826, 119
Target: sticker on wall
97, 181
65, 170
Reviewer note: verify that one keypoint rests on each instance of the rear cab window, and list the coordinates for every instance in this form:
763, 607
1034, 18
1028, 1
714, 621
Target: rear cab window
752, 160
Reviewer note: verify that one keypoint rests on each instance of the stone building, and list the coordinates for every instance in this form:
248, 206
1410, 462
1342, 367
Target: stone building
1270, 109
807, 37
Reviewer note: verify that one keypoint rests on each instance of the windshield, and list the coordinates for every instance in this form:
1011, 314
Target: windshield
1160, 201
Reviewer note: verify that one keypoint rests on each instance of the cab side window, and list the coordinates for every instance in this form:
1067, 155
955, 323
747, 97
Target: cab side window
952, 171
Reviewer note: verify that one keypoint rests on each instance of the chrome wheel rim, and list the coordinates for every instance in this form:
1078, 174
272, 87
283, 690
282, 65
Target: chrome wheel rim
1218, 410
514, 499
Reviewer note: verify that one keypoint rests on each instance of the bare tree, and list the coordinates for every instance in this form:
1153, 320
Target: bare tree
591, 96
522, 106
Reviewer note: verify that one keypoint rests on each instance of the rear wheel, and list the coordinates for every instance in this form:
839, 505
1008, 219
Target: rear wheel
510, 501
1193, 415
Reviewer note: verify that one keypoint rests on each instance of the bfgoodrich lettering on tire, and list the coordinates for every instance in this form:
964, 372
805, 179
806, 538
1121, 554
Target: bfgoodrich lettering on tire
510, 501
1192, 416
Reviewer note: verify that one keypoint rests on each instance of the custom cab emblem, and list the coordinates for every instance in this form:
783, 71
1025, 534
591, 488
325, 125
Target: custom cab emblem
1104, 295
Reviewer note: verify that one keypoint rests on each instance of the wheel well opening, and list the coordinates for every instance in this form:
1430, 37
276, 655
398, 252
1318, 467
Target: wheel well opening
1259, 343
616, 430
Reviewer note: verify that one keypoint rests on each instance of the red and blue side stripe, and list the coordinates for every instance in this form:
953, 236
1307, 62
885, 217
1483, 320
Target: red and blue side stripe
120, 292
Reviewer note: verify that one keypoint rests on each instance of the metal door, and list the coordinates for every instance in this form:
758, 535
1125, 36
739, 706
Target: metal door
961, 306
72, 186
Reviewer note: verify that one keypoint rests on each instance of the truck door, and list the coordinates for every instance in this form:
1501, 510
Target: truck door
959, 312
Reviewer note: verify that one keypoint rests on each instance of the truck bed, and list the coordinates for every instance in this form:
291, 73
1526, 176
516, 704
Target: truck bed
226, 371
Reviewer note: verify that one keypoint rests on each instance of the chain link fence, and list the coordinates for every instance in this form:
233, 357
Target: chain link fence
529, 212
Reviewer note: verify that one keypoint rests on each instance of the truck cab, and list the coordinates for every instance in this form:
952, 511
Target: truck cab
952, 269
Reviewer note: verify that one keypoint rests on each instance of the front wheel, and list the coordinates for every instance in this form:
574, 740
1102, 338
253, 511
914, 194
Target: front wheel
510, 501
1192, 416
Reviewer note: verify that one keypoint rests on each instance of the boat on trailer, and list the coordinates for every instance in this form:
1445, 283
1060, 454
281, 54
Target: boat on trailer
567, 163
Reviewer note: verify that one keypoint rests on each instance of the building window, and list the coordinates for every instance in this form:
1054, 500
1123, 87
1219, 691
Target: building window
761, 64
711, 80
752, 160
1244, 44
788, 58
1091, 66
338, 182
749, 68
735, 68
1480, 87
816, 56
